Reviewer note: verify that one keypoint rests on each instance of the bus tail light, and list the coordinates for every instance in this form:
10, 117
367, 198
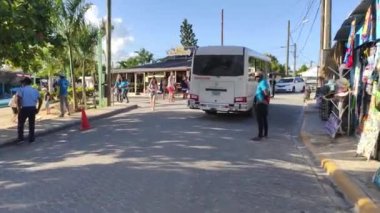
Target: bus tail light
194, 97
240, 100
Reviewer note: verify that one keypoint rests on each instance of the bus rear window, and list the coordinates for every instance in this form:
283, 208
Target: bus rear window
219, 65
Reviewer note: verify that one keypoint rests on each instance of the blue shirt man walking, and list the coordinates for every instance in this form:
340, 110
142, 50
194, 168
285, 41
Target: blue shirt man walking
63, 85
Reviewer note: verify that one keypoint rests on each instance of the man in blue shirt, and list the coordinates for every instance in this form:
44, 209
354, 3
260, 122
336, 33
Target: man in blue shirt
261, 105
63, 85
27, 98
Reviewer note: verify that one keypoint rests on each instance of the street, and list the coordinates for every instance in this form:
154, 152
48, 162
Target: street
171, 160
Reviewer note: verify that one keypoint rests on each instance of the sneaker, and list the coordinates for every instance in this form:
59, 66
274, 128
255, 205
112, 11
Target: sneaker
256, 139
31, 140
20, 140
61, 116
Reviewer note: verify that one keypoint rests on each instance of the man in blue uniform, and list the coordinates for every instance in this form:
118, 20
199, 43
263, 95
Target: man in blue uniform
63, 85
261, 105
27, 98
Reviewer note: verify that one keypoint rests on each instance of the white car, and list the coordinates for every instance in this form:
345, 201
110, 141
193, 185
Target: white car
290, 84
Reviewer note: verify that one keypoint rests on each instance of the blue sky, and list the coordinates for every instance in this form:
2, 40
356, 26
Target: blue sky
259, 25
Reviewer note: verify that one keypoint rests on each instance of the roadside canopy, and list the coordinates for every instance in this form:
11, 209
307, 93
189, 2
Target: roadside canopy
310, 73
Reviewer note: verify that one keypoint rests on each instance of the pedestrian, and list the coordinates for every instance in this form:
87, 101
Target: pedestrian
273, 84
124, 88
171, 87
117, 88
27, 98
48, 99
163, 84
153, 88
184, 87
63, 85
261, 102
13, 104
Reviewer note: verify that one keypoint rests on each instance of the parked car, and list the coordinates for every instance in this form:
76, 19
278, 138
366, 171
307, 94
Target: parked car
290, 84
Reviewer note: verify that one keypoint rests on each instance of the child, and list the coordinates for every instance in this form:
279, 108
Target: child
13, 104
47, 102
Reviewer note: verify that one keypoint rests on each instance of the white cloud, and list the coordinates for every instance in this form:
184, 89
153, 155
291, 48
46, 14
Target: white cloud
121, 37
92, 15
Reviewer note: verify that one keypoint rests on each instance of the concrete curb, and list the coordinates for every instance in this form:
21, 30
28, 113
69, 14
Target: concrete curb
69, 124
351, 190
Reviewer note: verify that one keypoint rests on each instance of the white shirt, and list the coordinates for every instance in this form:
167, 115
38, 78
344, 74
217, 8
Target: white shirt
29, 96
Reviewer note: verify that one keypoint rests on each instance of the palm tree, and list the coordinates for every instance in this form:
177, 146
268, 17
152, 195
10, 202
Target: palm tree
86, 44
71, 14
144, 56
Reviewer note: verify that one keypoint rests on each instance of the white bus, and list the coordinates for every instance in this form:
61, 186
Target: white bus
222, 78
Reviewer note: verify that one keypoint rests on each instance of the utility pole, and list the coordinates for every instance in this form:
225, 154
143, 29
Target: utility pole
222, 32
325, 35
295, 60
327, 25
108, 64
287, 50
311, 64
321, 57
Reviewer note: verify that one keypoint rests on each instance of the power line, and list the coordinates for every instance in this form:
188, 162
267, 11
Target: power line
303, 18
311, 4
311, 29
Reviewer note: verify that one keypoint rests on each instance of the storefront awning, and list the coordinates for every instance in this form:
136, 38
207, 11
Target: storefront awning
358, 13
170, 63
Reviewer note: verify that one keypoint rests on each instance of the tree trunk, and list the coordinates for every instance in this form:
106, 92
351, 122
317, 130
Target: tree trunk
84, 86
73, 78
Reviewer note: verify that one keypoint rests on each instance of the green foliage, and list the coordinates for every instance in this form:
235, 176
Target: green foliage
302, 69
129, 63
25, 26
187, 35
275, 65
143, 57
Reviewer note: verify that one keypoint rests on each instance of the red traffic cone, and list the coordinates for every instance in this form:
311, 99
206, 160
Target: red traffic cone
85, 125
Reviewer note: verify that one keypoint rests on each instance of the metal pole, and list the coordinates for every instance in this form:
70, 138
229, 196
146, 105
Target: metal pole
100, 71
222, 32
287, 50
108, 65
295, 60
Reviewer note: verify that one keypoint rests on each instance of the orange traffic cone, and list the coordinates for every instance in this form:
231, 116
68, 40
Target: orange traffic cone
85, 125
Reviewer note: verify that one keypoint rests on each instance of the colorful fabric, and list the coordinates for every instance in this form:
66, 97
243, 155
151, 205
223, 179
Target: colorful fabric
367, 27
348, 58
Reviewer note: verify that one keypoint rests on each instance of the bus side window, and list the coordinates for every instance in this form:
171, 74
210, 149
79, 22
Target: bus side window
251, 68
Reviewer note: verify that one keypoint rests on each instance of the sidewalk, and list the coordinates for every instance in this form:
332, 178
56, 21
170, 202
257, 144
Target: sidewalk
352, 175
46, 124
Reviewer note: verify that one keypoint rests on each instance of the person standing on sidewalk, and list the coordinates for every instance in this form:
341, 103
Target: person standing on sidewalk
27, 98
261, 102
48, 99
13, 104
63, 85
